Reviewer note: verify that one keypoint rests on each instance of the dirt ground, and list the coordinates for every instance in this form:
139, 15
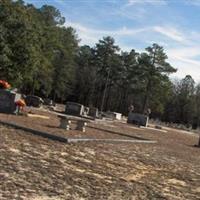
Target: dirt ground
35, 168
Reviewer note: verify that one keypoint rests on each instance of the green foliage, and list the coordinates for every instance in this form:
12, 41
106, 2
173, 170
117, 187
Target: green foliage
182, 106
29, 40
155, 69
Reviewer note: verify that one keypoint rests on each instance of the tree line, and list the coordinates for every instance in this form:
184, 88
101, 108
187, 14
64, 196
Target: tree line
40, 56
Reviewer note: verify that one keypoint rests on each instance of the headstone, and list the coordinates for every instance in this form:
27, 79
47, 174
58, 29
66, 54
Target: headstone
48, 102
138, 119
93, 112
7, 101
74, 109
86, 110
115, 115
34, 101
158, 127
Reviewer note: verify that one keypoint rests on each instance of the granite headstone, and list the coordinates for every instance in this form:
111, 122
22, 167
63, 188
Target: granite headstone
93, 112
138, 119
73, 108
34, 101
7, 101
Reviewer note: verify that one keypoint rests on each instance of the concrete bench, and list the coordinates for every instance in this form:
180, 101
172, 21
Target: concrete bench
81, 125
65, 122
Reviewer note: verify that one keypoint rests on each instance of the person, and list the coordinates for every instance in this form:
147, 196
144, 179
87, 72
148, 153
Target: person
20, 104
131, 108
148, 112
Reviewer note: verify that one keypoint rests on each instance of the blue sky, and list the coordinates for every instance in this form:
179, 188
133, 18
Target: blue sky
136, 24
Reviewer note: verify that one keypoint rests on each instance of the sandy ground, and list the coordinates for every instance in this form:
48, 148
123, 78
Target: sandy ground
35, 168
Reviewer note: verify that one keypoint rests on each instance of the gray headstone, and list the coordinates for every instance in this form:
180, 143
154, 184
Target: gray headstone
7, 101
93, 112
138, 119
73, 108
34, 101
86, 110
114, 115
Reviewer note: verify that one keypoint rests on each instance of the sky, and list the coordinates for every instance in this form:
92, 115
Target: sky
137, 24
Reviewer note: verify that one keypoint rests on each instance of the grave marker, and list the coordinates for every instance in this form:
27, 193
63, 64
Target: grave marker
7, 101
74, 109
138, 119
93, 112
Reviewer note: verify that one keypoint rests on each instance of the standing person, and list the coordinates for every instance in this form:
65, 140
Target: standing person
20, 104
131, 108
148, 112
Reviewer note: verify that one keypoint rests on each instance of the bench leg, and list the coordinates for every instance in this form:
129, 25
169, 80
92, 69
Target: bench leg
65, 124
199, 141
81, 125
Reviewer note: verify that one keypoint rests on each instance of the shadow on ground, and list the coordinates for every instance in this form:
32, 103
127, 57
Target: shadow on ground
119, 133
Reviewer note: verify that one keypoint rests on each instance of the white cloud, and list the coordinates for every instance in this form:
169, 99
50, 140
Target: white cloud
184, 60
122, 31
185, 52
91, 36
61, 2
152, 2
193, 2
186, 67
183, 56
171, 33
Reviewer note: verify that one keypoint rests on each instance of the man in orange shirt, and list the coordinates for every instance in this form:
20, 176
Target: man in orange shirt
20, 105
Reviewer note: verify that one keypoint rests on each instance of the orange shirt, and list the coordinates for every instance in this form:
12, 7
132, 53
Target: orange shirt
20, 103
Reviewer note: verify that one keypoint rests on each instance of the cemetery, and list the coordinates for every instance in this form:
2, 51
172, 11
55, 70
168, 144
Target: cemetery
87, 157
76, 152
99, 100
42, 168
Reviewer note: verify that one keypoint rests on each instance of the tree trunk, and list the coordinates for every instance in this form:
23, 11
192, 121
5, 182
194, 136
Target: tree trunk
123, 105
33, 88
107, 99
104, 93
146, 99
54, 96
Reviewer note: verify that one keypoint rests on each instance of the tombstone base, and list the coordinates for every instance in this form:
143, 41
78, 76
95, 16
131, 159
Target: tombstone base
81, 125
7, 101
138, 119
65, 123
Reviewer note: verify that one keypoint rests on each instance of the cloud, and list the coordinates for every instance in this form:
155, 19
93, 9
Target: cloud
185, 60
193, 2
185, 52
186, 67
181, 48
171, 33
61, 2
122, 31
151, 2
91, 35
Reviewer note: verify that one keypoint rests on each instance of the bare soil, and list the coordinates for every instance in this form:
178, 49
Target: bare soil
35, 168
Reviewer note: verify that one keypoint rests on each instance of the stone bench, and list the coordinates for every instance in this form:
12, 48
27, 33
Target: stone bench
81, 125
65, 122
